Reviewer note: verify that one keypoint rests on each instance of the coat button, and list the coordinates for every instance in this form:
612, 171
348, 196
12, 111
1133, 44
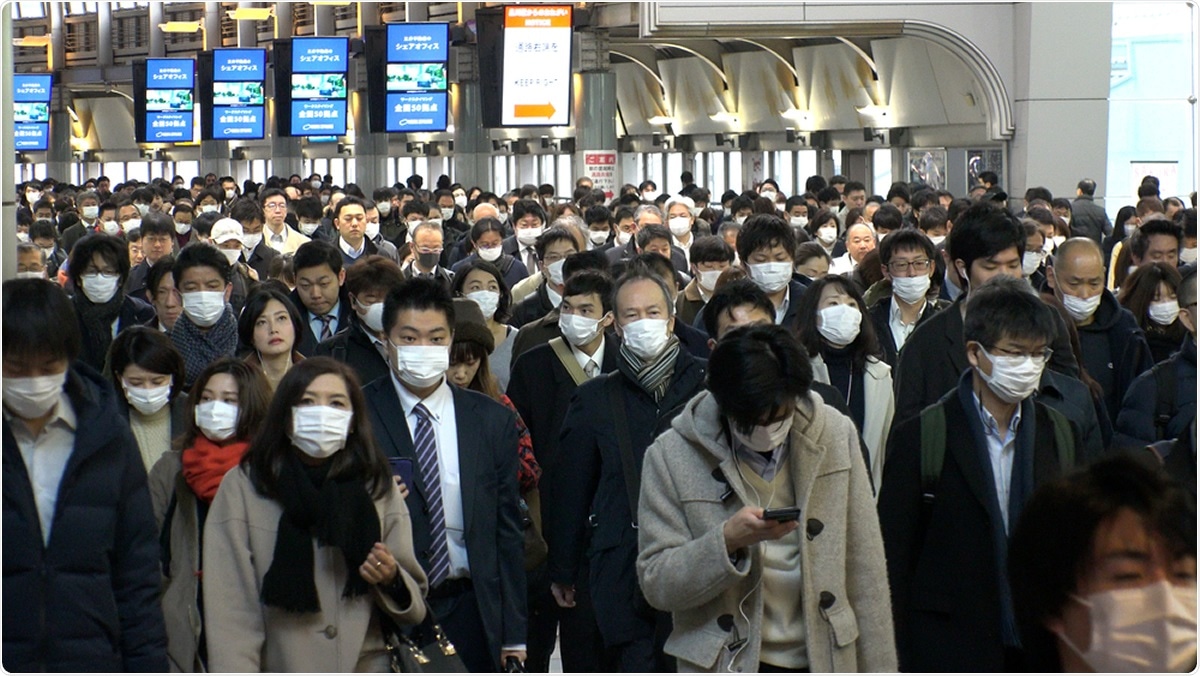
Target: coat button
813, 528
827, 600
331, 632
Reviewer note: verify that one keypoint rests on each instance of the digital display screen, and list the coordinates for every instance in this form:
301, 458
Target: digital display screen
537, 66
239, 93
417, 84
170, 100
319, 86
31, 112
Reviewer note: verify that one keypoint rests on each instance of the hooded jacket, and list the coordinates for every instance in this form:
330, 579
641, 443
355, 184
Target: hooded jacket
1114, 350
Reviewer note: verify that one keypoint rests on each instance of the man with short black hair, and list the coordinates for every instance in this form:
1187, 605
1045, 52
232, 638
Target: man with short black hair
907, 258
528, 220
552, 248
710, 256
363, 345
319, 295
255, 251
766, 246
207, 328
1156, 241
158, 241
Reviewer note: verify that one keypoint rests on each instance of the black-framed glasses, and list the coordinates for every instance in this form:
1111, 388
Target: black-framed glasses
1044, 355
901, 267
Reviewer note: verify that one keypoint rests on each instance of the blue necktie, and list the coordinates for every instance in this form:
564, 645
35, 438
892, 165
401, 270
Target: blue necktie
427, 462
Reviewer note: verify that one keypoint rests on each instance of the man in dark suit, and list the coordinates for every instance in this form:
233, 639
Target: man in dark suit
427, 242
528, 221
541, 386
466, 518
593, 483
644, 215
256, 253
945, 527
363, 346
907, 257
553, 248
541, 331
319, 295
158, 240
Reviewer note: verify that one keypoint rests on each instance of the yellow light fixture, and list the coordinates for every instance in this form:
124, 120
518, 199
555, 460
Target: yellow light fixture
32, 41
661, 119
250, 13
181, 26
724, 116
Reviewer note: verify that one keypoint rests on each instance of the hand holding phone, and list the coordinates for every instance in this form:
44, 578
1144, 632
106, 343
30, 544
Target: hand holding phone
781, 514
403, 468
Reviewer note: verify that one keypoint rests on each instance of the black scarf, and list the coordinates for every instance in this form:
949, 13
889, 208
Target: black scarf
97, 320
337, 512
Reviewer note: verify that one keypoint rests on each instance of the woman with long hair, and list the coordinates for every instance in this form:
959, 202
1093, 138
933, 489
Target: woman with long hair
482, 282
1149, 293
230, 400
268, 329
308, 545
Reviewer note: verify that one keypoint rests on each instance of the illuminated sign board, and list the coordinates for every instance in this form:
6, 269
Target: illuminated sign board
169, 101
537, 66
31, 112
238, 94
318, 86
417, 83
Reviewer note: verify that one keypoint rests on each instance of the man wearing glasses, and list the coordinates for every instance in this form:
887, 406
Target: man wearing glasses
277, 234
907, 257
427, 243
956, 478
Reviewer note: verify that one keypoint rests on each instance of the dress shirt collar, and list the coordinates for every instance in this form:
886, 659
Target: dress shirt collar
353, 253
583, 358
436, 402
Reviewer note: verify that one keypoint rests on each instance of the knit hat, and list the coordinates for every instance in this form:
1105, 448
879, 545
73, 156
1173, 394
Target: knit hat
469, 325
225, 230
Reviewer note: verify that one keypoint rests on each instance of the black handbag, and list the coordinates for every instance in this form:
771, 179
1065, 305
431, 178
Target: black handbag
421, 649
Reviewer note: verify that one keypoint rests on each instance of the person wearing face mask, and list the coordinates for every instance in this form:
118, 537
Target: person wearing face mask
256, 254
823, 228
1150, 293
487, 244
482, 283
841, 342
79, 537
1128, 535
147, 374
1033, 261
267, 329
373, 235
767, 249
681, 223
709, 256
528, 220
599, 220
97, 269
428, 243
1161, 403
976, 456
758, 424
611, 420
1114, 349
907, 260
552, 248
363, 346
462, 442
648, 190
207, 328
741, 208
454, 220
229, 404
308, 550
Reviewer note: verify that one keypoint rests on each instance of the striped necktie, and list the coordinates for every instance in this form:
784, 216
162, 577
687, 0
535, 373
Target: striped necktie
427, 462
326, 332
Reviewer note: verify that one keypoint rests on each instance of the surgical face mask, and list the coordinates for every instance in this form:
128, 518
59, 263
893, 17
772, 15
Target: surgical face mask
764, 438
147, 400
1145, 629
623, 237
230, 194
598, 237
798, 221
1164, 313
33, 397
461, 201
1081, 309
204, 308
827, 234
1058, 240
910, 289
647, 196
251, 241
447, 213
372, 315
937, 241
182, 228
90, 212
646, 338
771, 277
503, 217
769, 194
131, 224
1013, 379
324, 199
740, 220
23, 237
372, 230
32, 197
384, 208
315, 184
839, 324
420, 365
708, 279
554, 272
487, 301
209, 208
309, 227
143, 209
1048, 246
1031, 261
32, 274
233, 255
100, 288
320, 431
428, 261
216, 419
527, 236
680, 225
696, 211
1187, 254
110, 227
490, 253
577, 329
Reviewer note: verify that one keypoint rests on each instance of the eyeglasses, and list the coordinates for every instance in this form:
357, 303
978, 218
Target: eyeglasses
1044, 355
901, 267
275, 206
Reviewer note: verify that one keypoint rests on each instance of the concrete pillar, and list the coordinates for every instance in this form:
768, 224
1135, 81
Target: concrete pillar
370, 150
104, 34
287, 158
58, 45
8, 197
158, 41
595, 116
58, 153
1061, 112
472, 145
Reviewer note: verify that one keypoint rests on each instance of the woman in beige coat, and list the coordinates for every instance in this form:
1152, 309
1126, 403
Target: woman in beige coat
308, 545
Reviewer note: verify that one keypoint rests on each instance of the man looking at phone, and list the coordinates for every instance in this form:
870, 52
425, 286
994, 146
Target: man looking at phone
757, 526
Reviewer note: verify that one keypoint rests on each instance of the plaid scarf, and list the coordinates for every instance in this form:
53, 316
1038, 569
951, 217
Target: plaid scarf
201, 348
653, 376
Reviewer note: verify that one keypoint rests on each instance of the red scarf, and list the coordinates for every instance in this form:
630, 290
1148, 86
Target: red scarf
205, 463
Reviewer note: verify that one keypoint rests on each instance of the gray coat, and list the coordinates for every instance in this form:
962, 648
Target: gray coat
180, 585
683, 566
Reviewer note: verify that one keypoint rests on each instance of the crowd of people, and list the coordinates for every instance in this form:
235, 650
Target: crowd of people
295, 426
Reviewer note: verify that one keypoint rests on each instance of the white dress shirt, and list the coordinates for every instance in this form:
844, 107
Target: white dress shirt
583, 358
900, 330
1001, 447
46, 457
781, 311
353, 253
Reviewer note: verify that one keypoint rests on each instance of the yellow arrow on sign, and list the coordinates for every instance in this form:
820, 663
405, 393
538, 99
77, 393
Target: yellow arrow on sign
533, 110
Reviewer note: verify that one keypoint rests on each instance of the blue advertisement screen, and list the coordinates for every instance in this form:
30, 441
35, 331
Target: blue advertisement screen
319, 118
170, 100
168, 127
170, 73
31, 88
239, 65
31, 135
238, 123
417, 42
416, 112
319, 55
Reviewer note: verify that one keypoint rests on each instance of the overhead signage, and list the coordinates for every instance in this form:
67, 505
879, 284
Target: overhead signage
31, 112
319, 89
537, 66
417, 81
238, 93
170, 100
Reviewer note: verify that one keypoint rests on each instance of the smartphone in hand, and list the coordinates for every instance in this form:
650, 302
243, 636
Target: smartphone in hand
781, 514
403, 468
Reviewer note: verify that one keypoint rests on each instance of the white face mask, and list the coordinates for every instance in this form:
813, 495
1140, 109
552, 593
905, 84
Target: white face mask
798, 221
646, 338
598, 237
648, 196
204, 308
740, 220
577, 329
435, 221
487, 301
143, 209
490, 253
527, 236
1048, 246
769, 194
708, 279
680, 225
771, 277
623, 237
1058, 240
33, 197
1145, 629
1013, 379
315, 184
461, 201
373, 316
230, 194
447, 213
827, 234
232, 255
209, 208
1164, 313
131, 224
1081, 309
110, 227
839, 324
32, 274
555, 272
33, 397
309, 227
420, 365
182, 228
320, 431
23, 237
384, 208
252, 241
910, 289
503, 217
90, 212
147, 400
372, 230
100, 288
216, 419
1187, 255
696, 211
1031, 261
937, 241
764, 438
